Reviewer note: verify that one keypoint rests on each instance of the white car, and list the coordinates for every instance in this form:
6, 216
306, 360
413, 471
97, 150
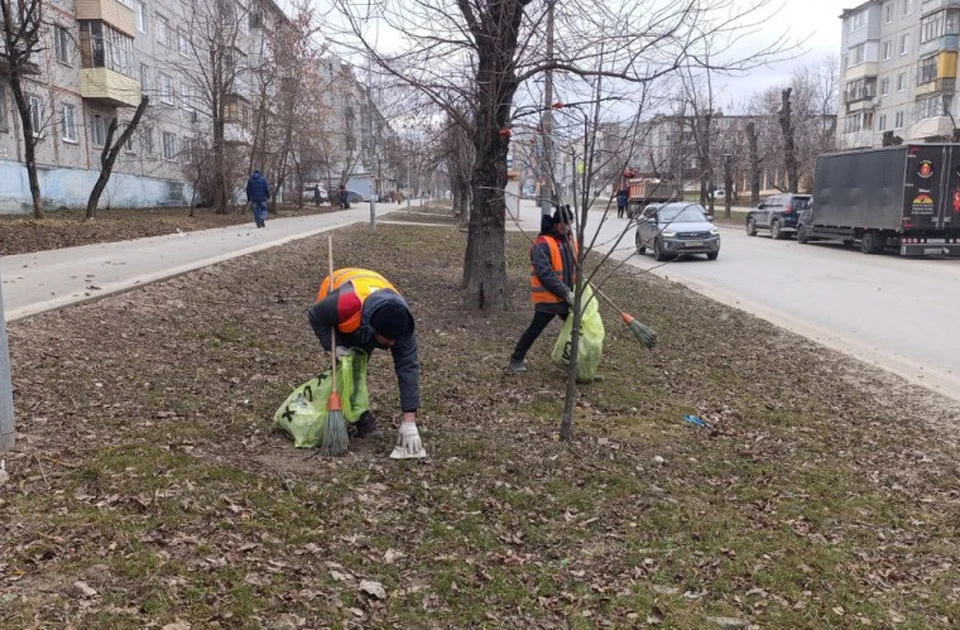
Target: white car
308, 191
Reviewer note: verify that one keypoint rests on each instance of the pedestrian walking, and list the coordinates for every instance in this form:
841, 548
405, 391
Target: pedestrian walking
344, 197
553, 257
623, 198
258, 193
370, 313
316, 196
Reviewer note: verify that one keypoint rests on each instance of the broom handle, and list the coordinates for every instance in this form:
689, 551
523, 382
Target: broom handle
333, 329
604, 296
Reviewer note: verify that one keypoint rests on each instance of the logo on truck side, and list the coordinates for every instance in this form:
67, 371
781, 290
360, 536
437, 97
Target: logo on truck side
922, 204
926, 169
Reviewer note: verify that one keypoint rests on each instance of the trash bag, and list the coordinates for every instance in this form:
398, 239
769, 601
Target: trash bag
303, 415
592, 334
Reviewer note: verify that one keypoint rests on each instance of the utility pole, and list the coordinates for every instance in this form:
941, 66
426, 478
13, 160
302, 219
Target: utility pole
546, 160
8, 430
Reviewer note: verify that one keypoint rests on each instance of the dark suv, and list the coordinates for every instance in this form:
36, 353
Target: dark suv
778, 214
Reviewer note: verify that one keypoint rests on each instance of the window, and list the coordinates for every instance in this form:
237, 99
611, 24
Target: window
927, 70
857, 53
61, 42
858, 20
887, 50
141, 16
98, 130
102, 46
904, 44
858, 122
861, 89
884, 86
888, 12
144, 78
938, 24
882, 122
907, 6
901, 82
146, 139
68, 122
933, 106
183, 43
163, 29
169, 145
166, 88
35, 104
898, 120
129, 144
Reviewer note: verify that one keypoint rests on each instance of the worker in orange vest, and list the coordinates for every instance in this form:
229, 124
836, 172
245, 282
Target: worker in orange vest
370, 313
552, 276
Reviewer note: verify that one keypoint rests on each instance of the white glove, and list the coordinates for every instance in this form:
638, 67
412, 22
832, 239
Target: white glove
570, 298
341, 351
408, 443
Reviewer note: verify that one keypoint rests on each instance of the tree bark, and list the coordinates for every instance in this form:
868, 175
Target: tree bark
754, 164
727, 185
109, 155
789, 146
29, 142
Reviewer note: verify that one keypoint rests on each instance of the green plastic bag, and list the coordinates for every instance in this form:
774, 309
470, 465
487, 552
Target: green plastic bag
303, 415
592, 334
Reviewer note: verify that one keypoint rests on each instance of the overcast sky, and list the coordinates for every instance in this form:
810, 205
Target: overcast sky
815, 23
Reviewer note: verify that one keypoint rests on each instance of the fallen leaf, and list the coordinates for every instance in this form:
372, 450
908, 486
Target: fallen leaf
374, 589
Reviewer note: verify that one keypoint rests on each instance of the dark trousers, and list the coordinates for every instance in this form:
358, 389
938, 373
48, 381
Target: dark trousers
621, 210
537, 326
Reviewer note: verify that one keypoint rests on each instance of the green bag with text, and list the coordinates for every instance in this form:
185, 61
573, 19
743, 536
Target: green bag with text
303, 415
592, 334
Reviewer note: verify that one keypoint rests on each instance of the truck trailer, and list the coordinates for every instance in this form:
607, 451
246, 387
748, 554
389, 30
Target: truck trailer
646, 190
905, 197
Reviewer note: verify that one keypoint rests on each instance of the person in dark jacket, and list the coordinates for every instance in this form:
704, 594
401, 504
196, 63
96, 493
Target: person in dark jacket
623, 198
258, 193
344, 197
368, 313
552, 277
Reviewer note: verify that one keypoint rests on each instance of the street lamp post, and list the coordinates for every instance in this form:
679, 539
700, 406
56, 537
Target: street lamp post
8, 430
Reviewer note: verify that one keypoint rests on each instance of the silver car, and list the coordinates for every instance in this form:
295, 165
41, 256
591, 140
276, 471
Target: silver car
677, 229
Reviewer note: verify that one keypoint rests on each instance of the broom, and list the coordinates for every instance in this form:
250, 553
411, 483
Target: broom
335, 439
644, 334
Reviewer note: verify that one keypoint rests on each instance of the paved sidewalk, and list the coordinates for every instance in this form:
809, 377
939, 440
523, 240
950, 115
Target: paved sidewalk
42, 281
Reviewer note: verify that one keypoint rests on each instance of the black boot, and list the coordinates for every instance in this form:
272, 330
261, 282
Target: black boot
367, 427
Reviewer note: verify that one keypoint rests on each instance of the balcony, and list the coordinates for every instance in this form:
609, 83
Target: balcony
236, 133
862, 70
112, 12
932, 6
934, 127
111, 88
944, 43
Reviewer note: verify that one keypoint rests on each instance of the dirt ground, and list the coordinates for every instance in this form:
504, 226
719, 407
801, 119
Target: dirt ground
67, 228
150, 490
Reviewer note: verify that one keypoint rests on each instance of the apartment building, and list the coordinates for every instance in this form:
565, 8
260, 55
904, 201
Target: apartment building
96, 60
899, 71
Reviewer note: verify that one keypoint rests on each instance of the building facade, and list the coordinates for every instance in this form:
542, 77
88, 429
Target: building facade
899, 71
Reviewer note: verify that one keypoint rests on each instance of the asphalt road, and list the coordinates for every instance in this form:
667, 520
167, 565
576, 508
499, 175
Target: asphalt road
901, 314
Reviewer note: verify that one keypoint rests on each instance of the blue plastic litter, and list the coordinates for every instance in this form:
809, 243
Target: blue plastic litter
697, 421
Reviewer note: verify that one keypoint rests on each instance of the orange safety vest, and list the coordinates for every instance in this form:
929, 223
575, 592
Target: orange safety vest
364, 282
539, 293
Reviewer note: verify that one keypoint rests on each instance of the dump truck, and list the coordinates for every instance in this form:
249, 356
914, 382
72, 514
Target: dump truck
646, 190
905, 197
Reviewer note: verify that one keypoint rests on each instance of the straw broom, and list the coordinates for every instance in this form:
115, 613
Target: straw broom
644, 334
335, 439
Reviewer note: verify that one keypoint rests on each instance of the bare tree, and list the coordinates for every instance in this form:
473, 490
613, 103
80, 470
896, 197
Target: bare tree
754, 160
21, 23
498, 44
215, 70
108, 156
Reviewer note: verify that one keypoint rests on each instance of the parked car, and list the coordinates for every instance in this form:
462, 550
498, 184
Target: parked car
308, 192
677, 229
354, 197
779, 214
719, 193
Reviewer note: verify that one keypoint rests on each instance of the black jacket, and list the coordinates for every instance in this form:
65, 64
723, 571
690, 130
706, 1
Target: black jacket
543, 268
324, 315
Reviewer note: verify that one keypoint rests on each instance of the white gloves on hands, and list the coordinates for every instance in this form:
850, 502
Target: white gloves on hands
570, 298
408, 445
340, 352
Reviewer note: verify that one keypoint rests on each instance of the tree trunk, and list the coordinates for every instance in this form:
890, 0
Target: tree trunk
789, 147
109, 155
727, 185
570, 397
484, 266
219, 164
754, 164
29, 143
